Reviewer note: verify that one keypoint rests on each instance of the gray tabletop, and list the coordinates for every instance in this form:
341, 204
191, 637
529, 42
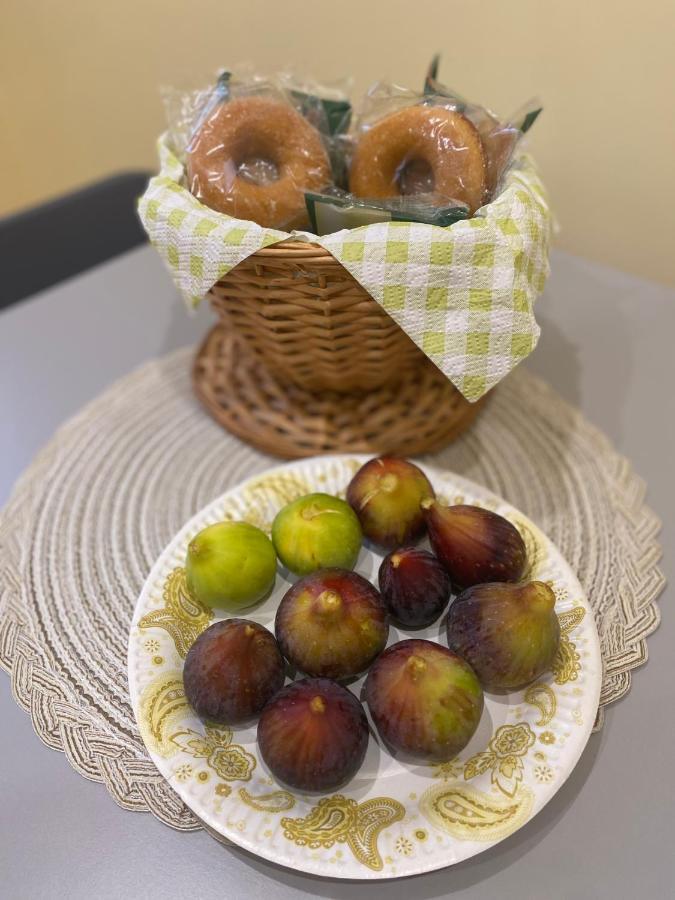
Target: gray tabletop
607, 346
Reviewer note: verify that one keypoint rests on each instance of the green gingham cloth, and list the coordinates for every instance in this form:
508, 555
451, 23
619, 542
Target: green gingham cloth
464, 293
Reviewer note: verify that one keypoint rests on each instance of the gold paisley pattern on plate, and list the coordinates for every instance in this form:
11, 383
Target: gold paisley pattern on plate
543, 697
448, 770
285, 487
229, 761
404, 846
273, 802
182, 616
471, 815
263, 496
534, 545
162, 703
561, 593
567, 662
504, 757
544, 774
340, 820
258, 520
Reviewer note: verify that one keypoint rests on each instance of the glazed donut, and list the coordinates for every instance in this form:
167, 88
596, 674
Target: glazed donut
240, 133
433, 136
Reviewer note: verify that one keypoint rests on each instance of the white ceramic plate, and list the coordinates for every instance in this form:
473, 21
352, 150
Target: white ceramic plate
392, 819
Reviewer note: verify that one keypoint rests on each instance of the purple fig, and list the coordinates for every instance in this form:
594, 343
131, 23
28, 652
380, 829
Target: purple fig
386, 494
313, 735
425, 700
414, 585
508, 633
232, 670
332, 624
474, 544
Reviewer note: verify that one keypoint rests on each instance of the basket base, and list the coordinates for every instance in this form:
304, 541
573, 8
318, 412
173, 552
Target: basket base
420, 415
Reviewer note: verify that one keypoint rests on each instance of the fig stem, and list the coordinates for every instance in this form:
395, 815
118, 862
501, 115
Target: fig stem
388, 482
311, 512
416, 666
317, 704
329, 601
543, 594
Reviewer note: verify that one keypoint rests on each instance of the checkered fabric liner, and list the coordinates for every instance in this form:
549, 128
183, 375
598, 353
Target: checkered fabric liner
464, 294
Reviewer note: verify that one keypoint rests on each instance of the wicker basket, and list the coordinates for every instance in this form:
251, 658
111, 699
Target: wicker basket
305, 361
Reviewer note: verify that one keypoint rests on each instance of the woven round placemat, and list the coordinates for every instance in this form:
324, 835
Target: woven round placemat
94, 510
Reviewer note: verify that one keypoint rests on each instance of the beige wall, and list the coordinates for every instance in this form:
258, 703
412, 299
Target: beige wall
79, 90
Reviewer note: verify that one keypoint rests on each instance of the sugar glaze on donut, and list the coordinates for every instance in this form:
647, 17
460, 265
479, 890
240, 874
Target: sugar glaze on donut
440, 139
230, 144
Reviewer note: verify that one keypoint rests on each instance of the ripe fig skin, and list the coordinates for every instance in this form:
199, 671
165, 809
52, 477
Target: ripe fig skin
332, 624
230, 565
508, 633
232, 670
426, 701
317, 531
386, 494
414, 585
313, 735
475, 545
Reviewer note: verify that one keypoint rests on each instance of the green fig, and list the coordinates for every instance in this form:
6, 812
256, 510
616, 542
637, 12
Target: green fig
317, 531
230, 565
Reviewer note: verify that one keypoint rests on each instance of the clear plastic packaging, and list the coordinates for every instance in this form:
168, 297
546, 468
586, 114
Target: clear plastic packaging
252, 147
326, 106
499, 137
335, 209
406, 144
255, 145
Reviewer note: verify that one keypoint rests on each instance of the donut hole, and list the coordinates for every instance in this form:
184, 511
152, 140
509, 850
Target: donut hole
257, 169
415, 176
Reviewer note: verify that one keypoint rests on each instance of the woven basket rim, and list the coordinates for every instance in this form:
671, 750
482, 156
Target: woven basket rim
295, 250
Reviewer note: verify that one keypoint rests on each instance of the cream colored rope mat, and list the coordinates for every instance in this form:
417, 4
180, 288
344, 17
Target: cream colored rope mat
93, 511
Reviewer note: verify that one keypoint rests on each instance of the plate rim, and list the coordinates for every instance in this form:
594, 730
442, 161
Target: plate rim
312, 867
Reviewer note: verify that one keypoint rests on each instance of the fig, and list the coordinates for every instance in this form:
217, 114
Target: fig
315, 532
386, 494
313, 735
332, 624
414, 586
508, 633
230, 565
475, 545
425, 700
232, 670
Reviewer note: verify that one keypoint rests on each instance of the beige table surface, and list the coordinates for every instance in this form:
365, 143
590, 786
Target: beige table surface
608, 346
